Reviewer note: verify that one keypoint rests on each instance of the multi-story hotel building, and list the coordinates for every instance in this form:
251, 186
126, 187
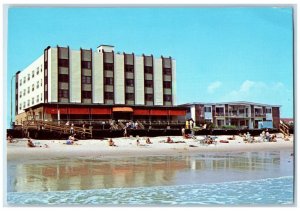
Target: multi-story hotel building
70, 84
238, 114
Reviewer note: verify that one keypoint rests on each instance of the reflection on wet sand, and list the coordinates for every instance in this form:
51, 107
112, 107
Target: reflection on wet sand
135, 172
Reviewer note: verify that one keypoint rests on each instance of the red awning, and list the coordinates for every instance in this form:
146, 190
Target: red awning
141, 112
79, 111
100, 110
177, 112
122, 109
159, 112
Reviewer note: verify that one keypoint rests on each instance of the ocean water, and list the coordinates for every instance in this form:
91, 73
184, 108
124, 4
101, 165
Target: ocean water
234, 179
272, 191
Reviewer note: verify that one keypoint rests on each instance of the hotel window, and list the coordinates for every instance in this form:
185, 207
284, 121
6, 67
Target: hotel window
37, 98
86, 64
28, 89
37, 84
63, 93
24, 92
148, 83
41, 97
32, 87
148, 69
129, 82
108, 66
20, 94
20, 82
32, 74
149, 97
32, 101
41, 68
129, 96
167, 71
86, 79
24, 80
28, 103
37, 70
86, 94
41, 82
108, 81
207, 109
109, 95
63, 62
24, 104
63, 78
20, 107
28, 77
168, 98
129, 68
167, 84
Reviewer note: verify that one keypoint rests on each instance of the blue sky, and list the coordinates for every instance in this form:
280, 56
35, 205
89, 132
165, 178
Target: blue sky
222, 54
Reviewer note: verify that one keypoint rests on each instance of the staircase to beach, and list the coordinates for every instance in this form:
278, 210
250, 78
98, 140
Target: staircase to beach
284, 128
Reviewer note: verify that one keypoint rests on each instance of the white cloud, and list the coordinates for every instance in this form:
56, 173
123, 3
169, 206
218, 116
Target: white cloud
262, 92
213, 86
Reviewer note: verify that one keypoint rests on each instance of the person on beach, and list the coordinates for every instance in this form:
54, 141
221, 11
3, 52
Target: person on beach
125, 132
30, 143
70, 141
209, 140
111, 143
72, 128
268, 136
183, 132
169, 140
148, 141
273, 138
231, 138
9, 139
138, 142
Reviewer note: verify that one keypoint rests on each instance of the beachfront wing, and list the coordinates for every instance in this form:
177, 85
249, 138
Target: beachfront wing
235, 115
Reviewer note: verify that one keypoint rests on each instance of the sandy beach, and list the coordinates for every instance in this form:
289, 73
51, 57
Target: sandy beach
127, 147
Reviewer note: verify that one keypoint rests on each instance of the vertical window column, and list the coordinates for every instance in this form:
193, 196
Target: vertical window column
45, 74
108, 77
148, 80
86, 76
129, 79
63, 74
167, 81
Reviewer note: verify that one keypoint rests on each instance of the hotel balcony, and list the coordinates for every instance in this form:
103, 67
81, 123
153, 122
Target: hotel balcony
232, 115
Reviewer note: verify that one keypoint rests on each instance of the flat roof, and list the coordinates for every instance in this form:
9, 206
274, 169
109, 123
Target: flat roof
232, 103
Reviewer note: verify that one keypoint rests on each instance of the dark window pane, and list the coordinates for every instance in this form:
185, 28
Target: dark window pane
149, 97
148, 69
168, 98
63, 62
129, 96
108, 81
63, 93
167, 71
129, 82
108, 66
86, 64
148, 83
167, 84
63, 78
86, 94
108, 95
129, 68
86, 79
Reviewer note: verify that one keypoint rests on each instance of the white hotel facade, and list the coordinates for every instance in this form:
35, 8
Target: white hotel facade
100, 84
